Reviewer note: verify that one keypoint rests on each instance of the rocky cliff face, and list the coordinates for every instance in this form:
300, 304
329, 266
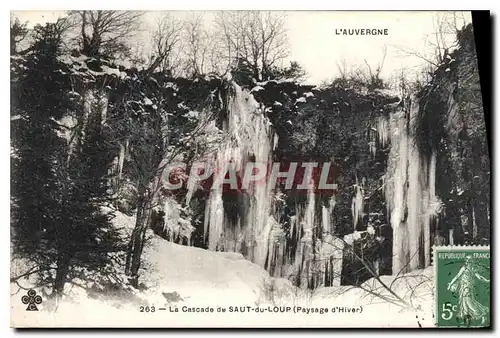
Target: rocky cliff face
450, 124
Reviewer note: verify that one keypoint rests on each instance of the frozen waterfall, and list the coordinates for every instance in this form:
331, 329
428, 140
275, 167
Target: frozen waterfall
411, 200
249, 139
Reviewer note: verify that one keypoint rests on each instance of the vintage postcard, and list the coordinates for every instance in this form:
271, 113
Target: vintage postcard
249, 169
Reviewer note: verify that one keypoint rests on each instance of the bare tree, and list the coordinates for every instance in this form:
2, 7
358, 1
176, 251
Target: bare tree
105, 32
441, 41
255, 38
198, 46
230, 33
407, 81
343, 69
166, 41
445, 32
374, 75
367, 76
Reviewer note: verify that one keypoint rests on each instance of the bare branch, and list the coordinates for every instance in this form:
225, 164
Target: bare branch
166, 38
255, 39
105, 32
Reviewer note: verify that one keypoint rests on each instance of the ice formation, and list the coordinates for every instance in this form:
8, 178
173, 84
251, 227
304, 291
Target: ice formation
410, 191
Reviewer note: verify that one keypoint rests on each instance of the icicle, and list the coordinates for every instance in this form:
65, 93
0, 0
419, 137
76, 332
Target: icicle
121, 158
373, 148
293, 225
474, 224
357, 204
331, 248
103, 107
276, 248
383, 130
171, 210
309, 216
215, 220
435, 204
414, 195
325, 219
434, 207
410, 194
304, 255
396, 181
331, 208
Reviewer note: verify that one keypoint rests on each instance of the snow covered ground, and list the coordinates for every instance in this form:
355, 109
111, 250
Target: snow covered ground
187, 278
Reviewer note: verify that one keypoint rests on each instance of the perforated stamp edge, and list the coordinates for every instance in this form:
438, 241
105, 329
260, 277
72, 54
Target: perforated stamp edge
449, 248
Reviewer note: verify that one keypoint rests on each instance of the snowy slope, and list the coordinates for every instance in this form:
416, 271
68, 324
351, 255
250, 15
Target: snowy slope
180, 277
197, 274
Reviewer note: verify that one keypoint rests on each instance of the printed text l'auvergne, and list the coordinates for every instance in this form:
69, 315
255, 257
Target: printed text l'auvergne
361, 31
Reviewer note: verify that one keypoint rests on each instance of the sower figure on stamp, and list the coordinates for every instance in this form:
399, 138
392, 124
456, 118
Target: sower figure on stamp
464, 283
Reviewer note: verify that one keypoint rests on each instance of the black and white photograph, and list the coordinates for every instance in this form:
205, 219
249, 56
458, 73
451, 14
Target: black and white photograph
249, 169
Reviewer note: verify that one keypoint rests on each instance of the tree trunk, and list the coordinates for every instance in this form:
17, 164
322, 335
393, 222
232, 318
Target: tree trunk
481, 219
61, 275
255, 71
136, 244
470, 220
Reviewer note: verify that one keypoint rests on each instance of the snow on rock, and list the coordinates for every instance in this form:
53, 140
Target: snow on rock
68, 122
388, 92
264, 83
182, 105
77, 60
256, 89
350, 238
121, 221
192, 114
171, 85
113, 71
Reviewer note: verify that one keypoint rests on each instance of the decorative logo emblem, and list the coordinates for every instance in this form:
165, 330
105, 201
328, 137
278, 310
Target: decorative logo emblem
32, 299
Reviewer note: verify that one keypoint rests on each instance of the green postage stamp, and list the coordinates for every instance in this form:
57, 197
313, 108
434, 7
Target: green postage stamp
462, 278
